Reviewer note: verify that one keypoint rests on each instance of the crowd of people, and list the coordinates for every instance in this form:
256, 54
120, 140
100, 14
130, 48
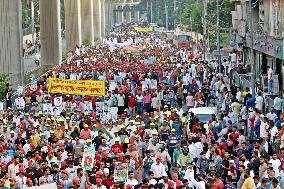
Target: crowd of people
153, 134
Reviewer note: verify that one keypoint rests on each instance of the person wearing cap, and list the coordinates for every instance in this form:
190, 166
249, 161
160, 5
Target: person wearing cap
21, 178
98, 140
172, 141
158, 168
75, 133
147, 162
177, 125
85, 133
89, 146
117, 146
139, 104
120, 103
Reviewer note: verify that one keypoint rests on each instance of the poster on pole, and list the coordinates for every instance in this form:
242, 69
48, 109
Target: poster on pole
121, 172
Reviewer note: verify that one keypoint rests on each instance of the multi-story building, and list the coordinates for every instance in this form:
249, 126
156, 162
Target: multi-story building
268, 19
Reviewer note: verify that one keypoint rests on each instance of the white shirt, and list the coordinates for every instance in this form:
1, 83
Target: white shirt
263, 129
100, 187
158, 169
271, 116
120, 100
259, 102
275, 164
133, 182
269, 73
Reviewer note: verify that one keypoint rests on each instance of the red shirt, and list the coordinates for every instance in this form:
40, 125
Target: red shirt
131, 101
119, 146
108, 183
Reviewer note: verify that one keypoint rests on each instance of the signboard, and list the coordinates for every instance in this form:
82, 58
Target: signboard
138, 29
120, 172
76, 87
88, 160
46, 108
58, 101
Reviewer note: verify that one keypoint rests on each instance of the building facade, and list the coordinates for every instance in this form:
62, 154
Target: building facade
268, 19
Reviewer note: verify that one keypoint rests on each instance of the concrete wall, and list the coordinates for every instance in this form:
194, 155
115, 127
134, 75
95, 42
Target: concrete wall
87, 19
50, 32
11, 40
73, 23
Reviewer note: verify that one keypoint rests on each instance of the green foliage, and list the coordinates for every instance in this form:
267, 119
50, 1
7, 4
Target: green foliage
195, 8
4, 79
87, 43
26, 19
27, 78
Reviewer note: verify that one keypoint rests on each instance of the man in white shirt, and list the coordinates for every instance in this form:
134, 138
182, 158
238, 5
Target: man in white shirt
275, 164
131, 180
278, 104
158, 168
272, 116
270, 79
259, 102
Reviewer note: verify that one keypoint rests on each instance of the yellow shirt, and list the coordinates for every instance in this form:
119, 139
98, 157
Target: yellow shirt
58, 133
35, 138
248, 184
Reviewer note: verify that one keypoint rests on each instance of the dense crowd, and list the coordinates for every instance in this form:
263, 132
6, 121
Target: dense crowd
154, 135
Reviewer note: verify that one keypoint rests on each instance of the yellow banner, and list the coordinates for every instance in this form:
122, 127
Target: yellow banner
143, 29
76, 87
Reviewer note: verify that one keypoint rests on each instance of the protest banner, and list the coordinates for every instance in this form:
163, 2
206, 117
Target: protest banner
76, 87
138, 29
45, 186
120, 172
88, 160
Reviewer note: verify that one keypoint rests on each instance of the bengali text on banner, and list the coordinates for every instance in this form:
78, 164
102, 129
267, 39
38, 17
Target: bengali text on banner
76, 87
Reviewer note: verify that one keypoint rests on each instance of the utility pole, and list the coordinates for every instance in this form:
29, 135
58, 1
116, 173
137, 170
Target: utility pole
190, 19
175, 14
151, 5
33, 21
218, 36
251, 50
167, 16
204, 29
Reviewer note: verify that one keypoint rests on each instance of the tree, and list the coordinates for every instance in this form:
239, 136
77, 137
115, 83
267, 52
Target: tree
195, 8
4, 80
26, 19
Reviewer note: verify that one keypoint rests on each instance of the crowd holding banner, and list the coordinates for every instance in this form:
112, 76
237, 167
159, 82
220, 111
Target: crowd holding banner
107, 119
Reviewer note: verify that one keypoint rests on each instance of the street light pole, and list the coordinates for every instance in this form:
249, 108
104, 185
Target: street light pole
151, 5
33, 21
204, 28
252, 81
167, 17
218, 35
